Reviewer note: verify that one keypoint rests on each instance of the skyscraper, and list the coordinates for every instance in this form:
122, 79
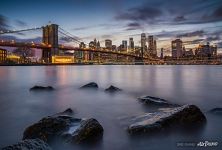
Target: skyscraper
108, 44
152, 48
177, 48
143, 43
131, 45
124, 45
80, 54
98, 45
161, 53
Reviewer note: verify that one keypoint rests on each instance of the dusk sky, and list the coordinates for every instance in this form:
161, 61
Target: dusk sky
194, 21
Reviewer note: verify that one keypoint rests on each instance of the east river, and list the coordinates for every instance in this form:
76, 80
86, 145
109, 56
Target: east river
199, 85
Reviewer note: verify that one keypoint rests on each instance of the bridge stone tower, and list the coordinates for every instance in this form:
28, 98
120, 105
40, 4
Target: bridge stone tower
50, 37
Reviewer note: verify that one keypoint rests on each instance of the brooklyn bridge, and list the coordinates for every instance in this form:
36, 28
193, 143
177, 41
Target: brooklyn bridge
51, 47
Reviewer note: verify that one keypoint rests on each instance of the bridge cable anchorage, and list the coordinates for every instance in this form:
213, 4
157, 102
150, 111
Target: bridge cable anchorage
18, 31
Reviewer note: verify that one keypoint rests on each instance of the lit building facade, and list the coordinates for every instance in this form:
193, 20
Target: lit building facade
177, 48
131, 45
3, 55
80, 54
206, 50
62, 59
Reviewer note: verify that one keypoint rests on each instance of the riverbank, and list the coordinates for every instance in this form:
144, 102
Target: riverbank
83, 64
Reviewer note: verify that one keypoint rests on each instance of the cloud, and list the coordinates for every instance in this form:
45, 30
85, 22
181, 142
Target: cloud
196, 41
199, 33
21, 23
107, 36
105, 26
83, 28
179, 18
142, 13
4, 23
219, 44
218, 12
182, 12
133, 26
213, 38
11, 37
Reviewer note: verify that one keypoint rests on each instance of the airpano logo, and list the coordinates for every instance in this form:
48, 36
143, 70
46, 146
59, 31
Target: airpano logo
207, 144
198, 144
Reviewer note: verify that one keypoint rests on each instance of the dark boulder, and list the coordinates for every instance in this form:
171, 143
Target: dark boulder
156, 101
183, 116
41, 88
91, 85
68, 111
63, 126
29, 144
217, 111
112, 89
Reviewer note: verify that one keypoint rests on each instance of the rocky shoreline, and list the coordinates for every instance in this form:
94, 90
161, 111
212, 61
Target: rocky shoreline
67, 129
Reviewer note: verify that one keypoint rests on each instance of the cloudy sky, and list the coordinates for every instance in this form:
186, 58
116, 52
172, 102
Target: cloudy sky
194, 21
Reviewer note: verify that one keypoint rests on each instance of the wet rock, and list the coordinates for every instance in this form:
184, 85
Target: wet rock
64, 127
41, 88
155, 101
113, 89
180, 116
91, 85
88, 129
217, 111
68, 111
29, 144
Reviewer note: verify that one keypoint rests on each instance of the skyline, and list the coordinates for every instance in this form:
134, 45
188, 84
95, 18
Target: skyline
119, 20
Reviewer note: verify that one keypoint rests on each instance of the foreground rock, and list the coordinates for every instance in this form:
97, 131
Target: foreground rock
217, 111
91, 85
155, 101
112, 89
41, 88
64, 127
29, 144
180, 116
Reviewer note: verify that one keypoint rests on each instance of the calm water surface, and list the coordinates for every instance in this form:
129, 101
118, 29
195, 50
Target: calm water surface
199, 85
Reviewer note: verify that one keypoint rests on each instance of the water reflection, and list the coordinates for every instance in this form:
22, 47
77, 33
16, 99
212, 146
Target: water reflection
200, 85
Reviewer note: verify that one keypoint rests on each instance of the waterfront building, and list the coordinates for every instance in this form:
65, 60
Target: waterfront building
108, 44
114, 48
206, 50
137, 50
152, 47
177, 48
13, 58
3, 55
80, 54
62, 59
188, 53
131, 45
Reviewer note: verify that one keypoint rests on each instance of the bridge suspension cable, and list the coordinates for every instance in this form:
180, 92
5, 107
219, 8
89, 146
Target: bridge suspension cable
18, 31
69, 35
